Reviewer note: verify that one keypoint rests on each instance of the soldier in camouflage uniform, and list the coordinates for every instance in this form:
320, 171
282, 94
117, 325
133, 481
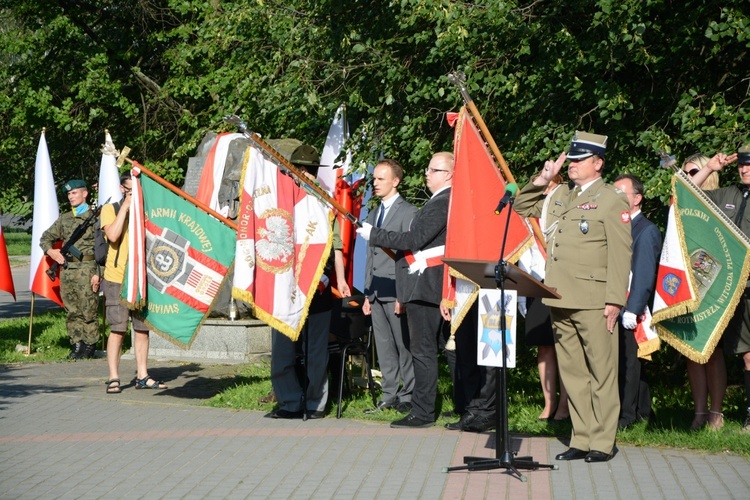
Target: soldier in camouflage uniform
79, 279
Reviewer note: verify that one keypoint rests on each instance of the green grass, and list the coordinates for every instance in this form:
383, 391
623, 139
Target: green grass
18, 243
670, 392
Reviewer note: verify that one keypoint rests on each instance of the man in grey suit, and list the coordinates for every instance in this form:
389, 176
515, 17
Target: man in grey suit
388, 324
419, 284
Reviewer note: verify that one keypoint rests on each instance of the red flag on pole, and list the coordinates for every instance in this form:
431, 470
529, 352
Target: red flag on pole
46, 211
6, 276
474, 231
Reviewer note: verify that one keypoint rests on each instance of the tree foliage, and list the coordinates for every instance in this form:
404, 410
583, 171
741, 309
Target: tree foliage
652, 75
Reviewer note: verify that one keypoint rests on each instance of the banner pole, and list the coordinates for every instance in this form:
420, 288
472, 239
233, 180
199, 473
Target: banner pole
179, 192
459, 79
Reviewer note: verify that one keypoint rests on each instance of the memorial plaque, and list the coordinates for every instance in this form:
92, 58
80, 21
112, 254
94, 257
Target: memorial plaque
193, 175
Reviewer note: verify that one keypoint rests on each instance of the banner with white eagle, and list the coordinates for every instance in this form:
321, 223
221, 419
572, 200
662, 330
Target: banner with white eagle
283, 239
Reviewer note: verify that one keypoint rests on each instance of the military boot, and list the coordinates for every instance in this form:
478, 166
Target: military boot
76, 350
88, 351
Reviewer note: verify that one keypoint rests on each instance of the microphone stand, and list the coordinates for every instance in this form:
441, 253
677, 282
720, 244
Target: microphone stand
504, 457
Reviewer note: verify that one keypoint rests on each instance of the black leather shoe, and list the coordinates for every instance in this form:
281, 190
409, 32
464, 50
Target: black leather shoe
572, 454
285, 414
461, 424
597, 456
411, 422
382, 405
480, 424
404, 407
315, 414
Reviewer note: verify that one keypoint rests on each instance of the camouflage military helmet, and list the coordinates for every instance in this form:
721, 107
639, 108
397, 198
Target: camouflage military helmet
73, 184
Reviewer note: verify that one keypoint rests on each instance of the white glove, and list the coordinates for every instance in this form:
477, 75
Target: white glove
364, 231
522, 306
629, 320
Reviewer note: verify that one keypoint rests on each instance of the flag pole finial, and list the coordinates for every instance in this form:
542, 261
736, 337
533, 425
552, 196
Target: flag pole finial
106, 131
44, 130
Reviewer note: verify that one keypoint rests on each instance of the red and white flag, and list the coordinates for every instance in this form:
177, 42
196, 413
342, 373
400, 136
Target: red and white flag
337, 178
136, 285
283, 241
109, 177
6, 276
474, 231
678, 294
46, 212
213, 172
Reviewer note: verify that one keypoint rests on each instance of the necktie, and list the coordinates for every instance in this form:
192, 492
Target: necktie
381, 215
741, 211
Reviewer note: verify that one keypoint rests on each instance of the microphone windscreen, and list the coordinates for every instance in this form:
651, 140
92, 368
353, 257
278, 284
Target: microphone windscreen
512, 188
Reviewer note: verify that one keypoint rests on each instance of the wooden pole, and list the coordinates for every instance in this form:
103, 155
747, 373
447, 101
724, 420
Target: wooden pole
179, 192
459, 79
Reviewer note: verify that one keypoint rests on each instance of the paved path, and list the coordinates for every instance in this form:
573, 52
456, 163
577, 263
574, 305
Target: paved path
61, 436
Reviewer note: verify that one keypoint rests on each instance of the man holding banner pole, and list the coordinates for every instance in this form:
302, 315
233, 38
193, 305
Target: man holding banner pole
732, 200
419, 284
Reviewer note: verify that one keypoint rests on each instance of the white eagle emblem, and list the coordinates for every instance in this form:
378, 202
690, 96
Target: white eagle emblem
275, 241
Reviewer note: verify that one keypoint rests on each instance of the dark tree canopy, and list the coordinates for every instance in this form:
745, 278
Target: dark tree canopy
651, 74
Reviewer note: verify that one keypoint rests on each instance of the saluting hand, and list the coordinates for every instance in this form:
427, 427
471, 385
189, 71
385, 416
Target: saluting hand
550, 170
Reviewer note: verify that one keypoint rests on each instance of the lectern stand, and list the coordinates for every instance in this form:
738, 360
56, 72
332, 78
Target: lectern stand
505, 276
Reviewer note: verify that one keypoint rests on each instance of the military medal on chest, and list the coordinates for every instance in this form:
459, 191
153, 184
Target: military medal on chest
584, 226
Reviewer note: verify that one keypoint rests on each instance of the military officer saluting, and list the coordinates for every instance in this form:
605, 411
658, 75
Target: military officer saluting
588, 262
79, 276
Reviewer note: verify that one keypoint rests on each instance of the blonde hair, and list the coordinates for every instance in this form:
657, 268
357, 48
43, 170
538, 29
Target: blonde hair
712, 182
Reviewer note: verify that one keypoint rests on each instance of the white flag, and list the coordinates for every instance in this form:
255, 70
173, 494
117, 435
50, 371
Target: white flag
109, 178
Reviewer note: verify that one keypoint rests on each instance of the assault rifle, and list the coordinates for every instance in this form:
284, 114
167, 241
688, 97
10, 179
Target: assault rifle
68, 249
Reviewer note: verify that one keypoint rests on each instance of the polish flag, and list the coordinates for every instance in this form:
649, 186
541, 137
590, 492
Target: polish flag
6, 276
46, 211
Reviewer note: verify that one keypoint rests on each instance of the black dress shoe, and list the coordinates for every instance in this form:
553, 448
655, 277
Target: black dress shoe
598, 456
572, 454
480, 424
382, 405
461, 424
404, 407
411, 422
285, 414
315, 414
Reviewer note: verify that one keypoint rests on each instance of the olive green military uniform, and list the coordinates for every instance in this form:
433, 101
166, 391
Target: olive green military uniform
588, 262
81, 302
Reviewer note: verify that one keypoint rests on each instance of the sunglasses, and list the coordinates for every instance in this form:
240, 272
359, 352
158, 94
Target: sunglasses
693, 171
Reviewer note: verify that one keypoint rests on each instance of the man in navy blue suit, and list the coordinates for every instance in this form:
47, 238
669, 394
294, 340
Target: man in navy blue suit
419, 284
635, 397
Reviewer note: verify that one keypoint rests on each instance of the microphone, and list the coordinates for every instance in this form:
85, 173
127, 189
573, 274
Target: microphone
510, 193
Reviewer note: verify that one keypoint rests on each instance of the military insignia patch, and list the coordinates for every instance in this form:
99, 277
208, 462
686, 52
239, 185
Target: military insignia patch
625, 216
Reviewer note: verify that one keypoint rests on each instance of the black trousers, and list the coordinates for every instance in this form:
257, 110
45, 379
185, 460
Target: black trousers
425, 327
635, 396
474, 386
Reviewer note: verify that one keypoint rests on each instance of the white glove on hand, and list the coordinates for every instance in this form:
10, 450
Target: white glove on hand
365, 231
522, 309
629, 320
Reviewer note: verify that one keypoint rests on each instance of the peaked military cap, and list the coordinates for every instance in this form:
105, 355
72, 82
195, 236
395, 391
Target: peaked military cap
73, 184
743, 155
305, 155
584, 145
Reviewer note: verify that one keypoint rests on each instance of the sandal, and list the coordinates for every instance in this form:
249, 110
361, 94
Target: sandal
112, 388
142, 383
715, 420
700, 419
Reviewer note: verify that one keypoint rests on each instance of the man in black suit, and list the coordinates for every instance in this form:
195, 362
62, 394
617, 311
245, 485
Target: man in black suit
635, 397
388, 323
419, 284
